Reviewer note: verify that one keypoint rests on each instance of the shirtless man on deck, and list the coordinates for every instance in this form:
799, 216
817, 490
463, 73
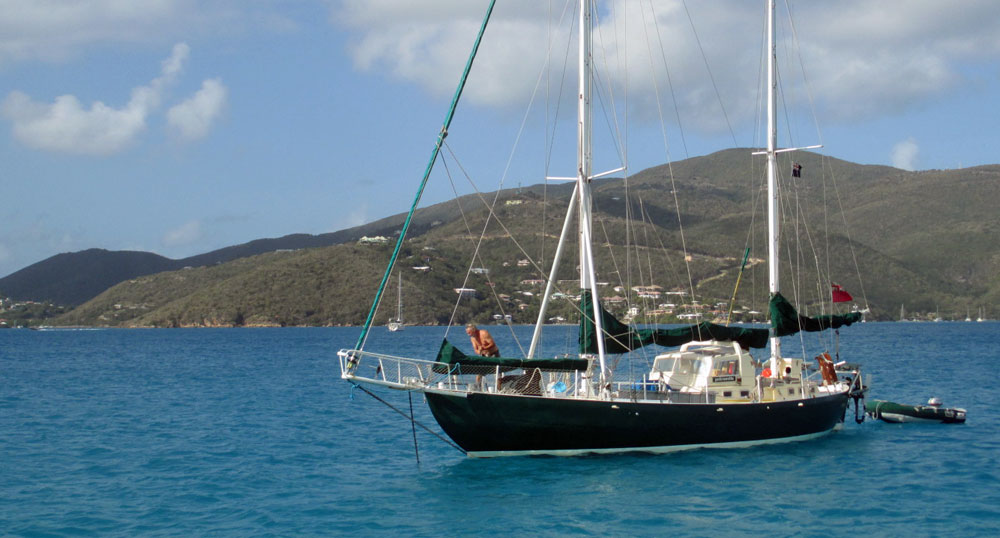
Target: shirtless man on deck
482, 341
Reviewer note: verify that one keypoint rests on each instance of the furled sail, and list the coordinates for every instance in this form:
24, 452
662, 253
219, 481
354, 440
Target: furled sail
622, 338
785, 320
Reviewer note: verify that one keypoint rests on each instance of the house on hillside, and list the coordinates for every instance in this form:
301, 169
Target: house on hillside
377, 240
647, 289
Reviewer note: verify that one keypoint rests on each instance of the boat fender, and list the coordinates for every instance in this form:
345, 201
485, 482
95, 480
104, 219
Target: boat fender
766, 372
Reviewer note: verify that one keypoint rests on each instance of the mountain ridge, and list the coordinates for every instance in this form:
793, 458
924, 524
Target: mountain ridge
917, 230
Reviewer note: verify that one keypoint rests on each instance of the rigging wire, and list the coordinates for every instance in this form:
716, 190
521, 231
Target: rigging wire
621, 134
798, 237
408, 417
468, 227
491, 206
612, 121
413, 426
704, 58
670, 83
493, 217
476, 257
549, 141
666, 143
825, 161
442, 134
805, 79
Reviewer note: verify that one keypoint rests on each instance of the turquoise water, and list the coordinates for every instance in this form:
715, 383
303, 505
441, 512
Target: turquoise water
250, 432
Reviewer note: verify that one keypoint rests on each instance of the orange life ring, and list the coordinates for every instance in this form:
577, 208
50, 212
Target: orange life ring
766, 372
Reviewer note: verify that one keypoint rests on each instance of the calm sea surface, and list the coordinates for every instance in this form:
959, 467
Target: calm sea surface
251, 432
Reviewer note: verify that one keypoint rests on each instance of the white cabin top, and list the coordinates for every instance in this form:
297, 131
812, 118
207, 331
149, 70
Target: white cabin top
698, 365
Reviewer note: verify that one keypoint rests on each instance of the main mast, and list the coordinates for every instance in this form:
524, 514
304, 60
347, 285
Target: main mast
773, 229
583, 178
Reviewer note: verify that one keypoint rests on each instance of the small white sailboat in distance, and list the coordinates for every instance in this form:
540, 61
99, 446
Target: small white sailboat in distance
396, 324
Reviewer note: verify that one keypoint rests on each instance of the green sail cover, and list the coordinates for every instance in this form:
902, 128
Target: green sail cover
621, 338
460, 363
786, 320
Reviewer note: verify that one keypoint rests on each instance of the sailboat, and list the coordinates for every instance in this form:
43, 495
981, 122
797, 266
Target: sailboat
708, 393
396, 323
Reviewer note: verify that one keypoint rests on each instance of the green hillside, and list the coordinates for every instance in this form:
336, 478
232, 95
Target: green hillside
926, 239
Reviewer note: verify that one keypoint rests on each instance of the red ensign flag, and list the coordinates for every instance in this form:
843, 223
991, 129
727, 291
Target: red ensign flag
839, 295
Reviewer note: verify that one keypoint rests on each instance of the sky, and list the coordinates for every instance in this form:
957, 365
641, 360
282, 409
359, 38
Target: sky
183, 126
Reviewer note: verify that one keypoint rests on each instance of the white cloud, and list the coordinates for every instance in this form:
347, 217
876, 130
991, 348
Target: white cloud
193, 118
58, 30
861, 59
904, 154
185, 234
67, 126
55, 29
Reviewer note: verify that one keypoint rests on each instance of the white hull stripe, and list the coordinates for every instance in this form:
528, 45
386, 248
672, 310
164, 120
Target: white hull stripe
648, 449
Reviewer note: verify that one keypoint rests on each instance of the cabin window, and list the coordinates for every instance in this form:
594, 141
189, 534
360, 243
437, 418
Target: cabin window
665, 365
681, 365
744, 394
727, 393
726, 367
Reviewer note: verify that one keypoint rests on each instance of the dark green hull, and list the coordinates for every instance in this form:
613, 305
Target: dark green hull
490, 424
894, 412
